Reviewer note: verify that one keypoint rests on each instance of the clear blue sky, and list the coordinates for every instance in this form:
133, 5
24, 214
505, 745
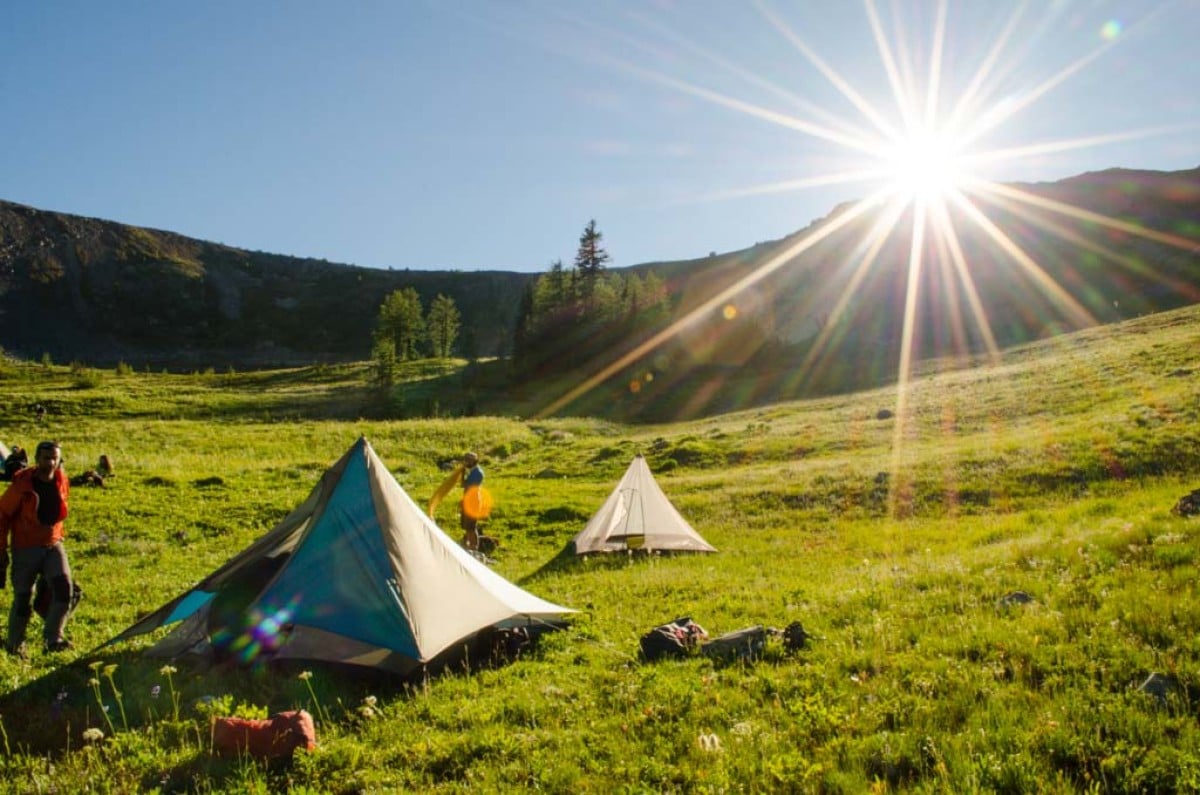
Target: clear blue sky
472, 135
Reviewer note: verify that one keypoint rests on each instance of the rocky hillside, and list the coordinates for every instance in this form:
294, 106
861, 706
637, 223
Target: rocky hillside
97, 291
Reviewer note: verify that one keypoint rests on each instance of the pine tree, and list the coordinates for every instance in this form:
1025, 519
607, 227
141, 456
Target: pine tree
401, 320
443, 322
590, 259
384, 355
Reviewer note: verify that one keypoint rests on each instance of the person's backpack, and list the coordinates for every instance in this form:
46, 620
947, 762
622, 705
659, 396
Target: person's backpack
675, 639
742, 644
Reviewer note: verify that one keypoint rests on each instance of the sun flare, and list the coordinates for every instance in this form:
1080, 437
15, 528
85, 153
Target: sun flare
926, 142
926, 165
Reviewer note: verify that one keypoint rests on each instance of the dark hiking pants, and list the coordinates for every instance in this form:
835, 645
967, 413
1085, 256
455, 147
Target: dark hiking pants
27, 564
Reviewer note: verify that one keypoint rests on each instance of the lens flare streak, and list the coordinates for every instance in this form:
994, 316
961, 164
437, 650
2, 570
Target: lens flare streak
926, 162
718, 300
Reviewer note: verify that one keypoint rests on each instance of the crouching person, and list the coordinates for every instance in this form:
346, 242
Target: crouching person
32, 512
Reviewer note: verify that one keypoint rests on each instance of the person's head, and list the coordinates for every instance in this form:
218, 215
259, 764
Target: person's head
470, 459
47, 458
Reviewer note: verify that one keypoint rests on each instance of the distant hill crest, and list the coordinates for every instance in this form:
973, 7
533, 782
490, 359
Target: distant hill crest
99, 291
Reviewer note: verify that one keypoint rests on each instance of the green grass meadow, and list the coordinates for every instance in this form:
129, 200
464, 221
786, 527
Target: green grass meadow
892, 526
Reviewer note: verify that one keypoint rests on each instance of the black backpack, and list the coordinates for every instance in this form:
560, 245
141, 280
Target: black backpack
676, 639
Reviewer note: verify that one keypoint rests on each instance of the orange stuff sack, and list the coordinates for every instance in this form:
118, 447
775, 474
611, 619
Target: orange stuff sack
278, 735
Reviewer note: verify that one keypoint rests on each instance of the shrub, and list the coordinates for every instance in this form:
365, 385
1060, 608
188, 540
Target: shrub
83, 377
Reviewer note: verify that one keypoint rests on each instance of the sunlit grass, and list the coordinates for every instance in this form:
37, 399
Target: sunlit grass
1050, 471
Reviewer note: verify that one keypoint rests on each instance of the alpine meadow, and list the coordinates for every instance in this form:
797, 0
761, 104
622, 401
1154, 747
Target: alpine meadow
425, 420
997, 593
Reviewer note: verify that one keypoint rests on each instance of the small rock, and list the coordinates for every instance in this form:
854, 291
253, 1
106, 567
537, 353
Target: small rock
1015, 598
1160, 686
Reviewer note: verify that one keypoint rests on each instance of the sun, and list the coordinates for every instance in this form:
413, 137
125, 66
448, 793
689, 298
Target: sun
924, 165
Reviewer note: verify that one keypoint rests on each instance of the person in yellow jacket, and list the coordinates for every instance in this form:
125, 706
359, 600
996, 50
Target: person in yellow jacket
32, 511
470, 507
475, 504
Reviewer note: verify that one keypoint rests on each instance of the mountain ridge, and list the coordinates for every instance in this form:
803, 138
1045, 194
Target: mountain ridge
95, 290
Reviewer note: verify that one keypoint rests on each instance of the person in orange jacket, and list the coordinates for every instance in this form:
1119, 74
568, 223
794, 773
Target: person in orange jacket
32, 511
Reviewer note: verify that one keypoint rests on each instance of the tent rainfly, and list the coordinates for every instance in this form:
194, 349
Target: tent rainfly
356, 575
637, 515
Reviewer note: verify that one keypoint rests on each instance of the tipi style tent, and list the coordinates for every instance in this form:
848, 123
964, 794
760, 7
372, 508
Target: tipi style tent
637, 515
357, 575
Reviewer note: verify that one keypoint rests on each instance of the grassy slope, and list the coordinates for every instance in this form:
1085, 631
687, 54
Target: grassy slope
1051, 471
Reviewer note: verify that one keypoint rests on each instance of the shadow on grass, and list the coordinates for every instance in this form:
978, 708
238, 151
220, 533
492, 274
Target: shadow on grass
566, 561
126, 691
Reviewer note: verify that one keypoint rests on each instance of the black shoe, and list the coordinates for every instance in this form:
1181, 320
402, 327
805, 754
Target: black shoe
62, 644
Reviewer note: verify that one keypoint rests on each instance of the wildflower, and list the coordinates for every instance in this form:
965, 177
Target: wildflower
93, 682
92, 735
369, 701
366, 712
304, 677
95, 666
154, 691
709, 743
110, 669
742, 728
167, 670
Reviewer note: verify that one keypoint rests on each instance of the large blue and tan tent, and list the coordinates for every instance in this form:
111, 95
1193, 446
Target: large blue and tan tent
356, 575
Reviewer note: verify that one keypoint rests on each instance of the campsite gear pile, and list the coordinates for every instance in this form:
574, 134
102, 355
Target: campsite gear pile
357, 575
683, 636
637, 516
277, 736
